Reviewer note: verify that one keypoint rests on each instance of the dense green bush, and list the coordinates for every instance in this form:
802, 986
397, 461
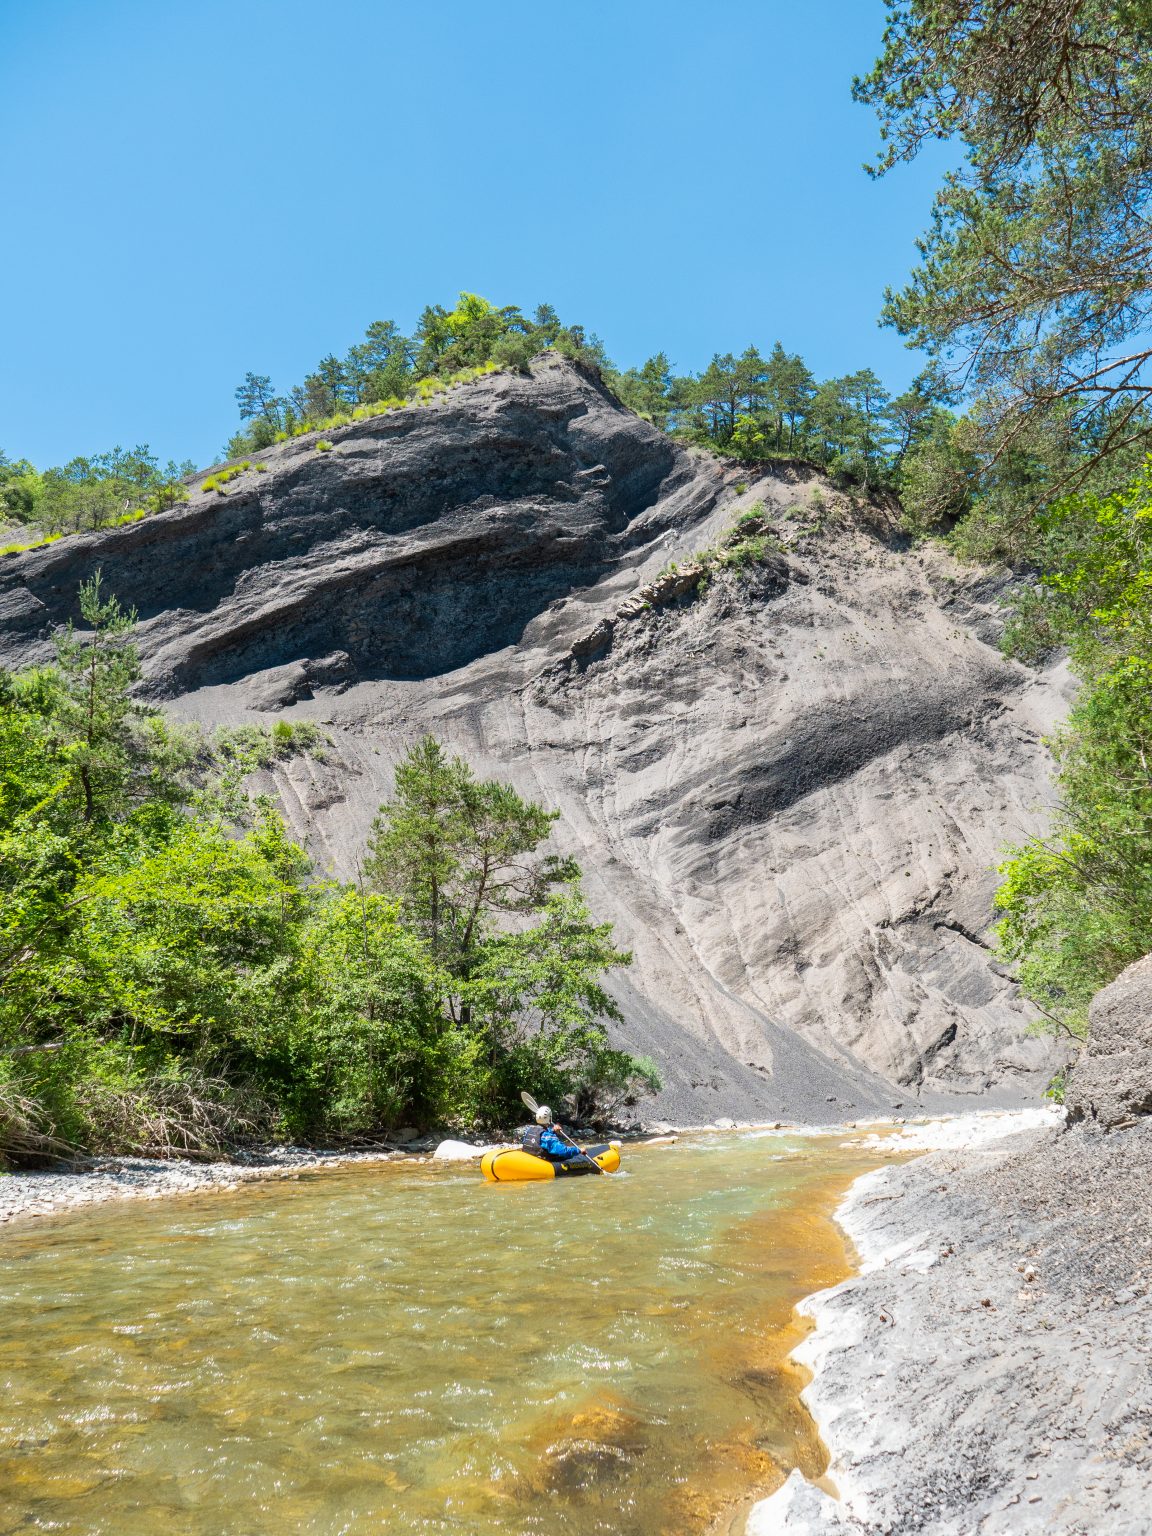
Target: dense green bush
174, 979
1077, 904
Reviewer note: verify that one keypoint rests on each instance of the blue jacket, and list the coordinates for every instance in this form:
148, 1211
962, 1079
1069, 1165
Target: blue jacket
556, 1147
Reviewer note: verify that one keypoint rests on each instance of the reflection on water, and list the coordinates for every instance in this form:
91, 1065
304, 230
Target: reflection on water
405, 1349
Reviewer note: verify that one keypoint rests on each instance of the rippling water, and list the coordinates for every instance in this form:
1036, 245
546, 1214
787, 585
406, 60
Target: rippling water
400, 1349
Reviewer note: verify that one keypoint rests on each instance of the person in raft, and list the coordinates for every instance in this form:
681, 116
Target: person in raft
544, 1140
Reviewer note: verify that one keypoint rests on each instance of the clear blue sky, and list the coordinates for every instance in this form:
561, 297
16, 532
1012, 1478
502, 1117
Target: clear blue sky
194, 190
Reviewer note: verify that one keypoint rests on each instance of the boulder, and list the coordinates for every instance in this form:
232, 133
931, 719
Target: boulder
277, 688
1111, 1083
458, 1152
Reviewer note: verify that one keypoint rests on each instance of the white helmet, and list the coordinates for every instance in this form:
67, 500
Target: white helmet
543, 1115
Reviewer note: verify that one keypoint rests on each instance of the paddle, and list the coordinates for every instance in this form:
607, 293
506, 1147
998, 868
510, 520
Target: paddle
530, 1103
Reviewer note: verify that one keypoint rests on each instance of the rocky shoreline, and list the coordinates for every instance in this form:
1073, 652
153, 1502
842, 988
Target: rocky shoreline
51, 1193
990, 1368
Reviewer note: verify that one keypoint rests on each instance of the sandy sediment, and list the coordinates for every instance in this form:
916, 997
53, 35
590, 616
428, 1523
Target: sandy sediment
990, 1368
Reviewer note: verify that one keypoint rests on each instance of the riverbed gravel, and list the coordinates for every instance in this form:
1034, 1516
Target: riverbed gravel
43, 1192
991, 1370
51, 1192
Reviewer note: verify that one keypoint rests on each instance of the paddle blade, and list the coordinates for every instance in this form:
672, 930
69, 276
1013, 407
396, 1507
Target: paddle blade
528, 1101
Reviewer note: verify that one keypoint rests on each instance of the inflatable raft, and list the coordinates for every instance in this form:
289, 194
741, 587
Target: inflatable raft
513, 1163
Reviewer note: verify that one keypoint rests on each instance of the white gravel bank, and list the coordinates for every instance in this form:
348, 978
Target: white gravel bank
42, 1193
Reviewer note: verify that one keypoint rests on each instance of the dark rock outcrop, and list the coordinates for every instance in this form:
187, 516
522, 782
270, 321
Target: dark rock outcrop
425, 539
788, 784
1111, 1083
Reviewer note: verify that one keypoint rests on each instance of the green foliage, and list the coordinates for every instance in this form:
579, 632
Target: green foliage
19, 485
754, 407
940, 480
249, 747
745, 545
1057, 1088
21, 545
388, 371
1033, 284
217, 482
647, 390
1033, 289
462, 857
1078, 905
89, 493
323, 446
174, 980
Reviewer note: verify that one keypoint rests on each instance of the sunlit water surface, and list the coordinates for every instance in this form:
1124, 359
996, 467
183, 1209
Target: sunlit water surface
400, 1348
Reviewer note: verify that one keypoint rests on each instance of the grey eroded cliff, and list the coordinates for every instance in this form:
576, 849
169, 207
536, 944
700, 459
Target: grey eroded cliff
788, 790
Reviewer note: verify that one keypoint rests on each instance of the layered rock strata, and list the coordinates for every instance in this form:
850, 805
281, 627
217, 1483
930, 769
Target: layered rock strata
787, 778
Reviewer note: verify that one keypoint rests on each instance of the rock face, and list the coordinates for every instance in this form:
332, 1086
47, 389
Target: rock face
1111, 1083
990, 1370
425, 539
787, 780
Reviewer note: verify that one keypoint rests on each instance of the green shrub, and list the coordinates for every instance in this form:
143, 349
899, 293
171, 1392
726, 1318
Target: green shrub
257, 746
177, 983
323, 446
1077, 902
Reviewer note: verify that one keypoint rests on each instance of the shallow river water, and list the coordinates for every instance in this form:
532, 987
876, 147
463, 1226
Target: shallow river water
399, 1348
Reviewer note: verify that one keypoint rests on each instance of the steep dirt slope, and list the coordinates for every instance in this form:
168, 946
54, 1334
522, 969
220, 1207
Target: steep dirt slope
787, 790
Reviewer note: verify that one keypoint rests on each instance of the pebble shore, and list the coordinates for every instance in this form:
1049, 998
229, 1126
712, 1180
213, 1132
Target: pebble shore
42, 1193
46, 1192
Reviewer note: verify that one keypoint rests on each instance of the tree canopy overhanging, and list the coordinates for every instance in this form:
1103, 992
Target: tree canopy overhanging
1034, 283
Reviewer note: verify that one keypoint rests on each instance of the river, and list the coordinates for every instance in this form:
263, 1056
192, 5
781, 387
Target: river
401, 1348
